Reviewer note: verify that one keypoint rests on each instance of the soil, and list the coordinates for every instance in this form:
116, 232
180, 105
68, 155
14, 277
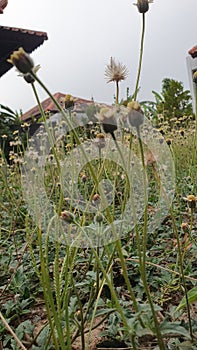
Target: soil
94, 339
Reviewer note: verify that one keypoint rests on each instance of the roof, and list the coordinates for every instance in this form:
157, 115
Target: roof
193, 52
12, 38
3, 4
49, 106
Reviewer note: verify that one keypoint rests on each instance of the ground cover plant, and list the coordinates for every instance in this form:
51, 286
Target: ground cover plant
98, 225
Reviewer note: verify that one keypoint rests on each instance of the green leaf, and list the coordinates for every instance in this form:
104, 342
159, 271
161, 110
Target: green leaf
173, 328
192, 296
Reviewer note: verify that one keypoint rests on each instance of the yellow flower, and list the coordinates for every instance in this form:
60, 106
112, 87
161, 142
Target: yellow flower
190, 198
22, 61
143, 5
191, 201
67, 101
115, 71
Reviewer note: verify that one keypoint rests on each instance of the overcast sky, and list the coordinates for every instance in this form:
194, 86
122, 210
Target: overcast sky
84, 34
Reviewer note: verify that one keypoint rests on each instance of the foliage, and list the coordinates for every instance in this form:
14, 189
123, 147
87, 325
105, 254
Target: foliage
172, 103
41, 277
9, 120
175, 102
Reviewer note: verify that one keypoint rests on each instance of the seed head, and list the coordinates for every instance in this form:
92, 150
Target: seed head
115, 71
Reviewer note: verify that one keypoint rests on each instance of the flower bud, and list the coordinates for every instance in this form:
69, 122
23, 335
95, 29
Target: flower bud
143, 5
99, 218
22, 61
28, 77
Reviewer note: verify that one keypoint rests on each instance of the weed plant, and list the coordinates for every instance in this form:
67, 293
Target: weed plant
140, 285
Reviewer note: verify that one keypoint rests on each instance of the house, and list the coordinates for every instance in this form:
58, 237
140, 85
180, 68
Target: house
80, 106
192, 67
12, 38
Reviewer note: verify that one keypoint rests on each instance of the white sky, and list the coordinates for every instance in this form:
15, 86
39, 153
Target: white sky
83, 34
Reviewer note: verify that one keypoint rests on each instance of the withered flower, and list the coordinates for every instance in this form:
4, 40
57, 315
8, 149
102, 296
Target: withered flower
22, 61
100, 140
143, 5
107, 118
185, 226
135, 114
67, 216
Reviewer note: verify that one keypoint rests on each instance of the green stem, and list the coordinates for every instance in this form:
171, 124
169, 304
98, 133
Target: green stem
196, 113
51, 143
141, 55
48, 297
144, 248
113, 294
117, 93
181, 260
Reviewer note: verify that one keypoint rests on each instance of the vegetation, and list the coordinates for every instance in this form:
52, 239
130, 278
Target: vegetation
172, 103
98, 222
87, 287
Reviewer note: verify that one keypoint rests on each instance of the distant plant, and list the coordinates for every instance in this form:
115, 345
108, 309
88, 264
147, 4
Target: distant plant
175, 102
9, 122
8, 118
172, 102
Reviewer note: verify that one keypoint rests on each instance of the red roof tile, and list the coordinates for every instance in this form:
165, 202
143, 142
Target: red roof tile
3, 4
12, 38
193, 51
48, 105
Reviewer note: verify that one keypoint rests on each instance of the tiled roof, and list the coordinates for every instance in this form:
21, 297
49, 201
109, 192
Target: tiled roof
193, 52
12, 38
3, 4
48, 105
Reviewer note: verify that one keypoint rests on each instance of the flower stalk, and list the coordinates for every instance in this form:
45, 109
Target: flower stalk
140, 59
